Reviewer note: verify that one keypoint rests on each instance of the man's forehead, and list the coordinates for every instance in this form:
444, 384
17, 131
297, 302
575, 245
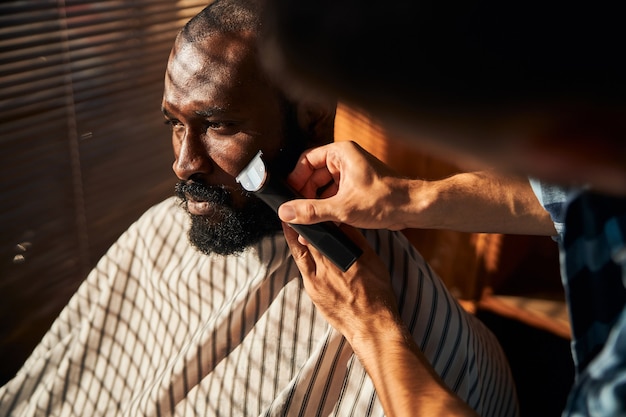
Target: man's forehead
224, 49
218, 59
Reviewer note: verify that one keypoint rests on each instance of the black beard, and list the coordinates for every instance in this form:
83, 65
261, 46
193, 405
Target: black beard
239, 227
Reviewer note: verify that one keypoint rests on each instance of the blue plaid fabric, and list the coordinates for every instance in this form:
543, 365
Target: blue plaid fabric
593, 259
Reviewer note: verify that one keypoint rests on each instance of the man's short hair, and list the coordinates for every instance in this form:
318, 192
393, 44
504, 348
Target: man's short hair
224, 16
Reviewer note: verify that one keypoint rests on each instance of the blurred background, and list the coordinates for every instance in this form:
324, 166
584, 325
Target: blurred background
83, 146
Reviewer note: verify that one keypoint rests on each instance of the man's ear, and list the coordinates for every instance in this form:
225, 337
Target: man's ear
318, 119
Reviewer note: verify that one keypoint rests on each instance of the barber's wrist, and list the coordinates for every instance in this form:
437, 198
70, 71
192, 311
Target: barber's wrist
413, 203
380, 332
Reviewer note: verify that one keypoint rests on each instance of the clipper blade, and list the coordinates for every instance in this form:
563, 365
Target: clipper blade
253, 176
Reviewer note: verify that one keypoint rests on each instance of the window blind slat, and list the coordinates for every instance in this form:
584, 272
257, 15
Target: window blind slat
83, 146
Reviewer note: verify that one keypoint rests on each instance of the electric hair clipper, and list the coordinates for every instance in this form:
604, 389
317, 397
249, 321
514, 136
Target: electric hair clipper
325, 237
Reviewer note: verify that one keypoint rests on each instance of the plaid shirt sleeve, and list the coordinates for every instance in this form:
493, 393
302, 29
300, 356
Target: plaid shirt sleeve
592, 241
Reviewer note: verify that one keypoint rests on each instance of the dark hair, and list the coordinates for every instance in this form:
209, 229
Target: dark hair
223, 16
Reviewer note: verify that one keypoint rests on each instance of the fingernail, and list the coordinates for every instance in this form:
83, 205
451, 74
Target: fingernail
287, 213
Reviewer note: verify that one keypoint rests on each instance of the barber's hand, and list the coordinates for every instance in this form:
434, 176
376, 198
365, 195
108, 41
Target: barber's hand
359, 303
358, 189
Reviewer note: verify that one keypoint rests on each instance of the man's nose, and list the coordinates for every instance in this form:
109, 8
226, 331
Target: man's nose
192, 157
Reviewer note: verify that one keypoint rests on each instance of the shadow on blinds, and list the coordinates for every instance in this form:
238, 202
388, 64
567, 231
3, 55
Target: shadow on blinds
83, 147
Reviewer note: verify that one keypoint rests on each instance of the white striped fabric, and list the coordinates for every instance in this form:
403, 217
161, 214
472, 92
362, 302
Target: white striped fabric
158, 329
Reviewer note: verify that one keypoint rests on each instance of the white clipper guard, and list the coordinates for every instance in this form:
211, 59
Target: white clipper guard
325, 237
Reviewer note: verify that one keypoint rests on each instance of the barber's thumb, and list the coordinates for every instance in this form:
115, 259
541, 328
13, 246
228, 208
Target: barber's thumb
303, 211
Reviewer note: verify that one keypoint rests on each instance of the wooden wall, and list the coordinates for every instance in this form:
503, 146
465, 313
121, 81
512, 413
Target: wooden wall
468, 263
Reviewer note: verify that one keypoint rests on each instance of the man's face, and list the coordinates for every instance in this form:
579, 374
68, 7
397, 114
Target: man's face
222, 111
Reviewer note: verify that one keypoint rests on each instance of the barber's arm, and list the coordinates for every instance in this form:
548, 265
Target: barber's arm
362, 191
360, 304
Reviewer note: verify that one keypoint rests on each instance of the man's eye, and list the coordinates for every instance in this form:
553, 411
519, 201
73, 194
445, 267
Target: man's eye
218, 125
173, 123
221, 126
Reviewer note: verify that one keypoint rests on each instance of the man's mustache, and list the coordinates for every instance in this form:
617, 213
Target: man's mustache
198, 191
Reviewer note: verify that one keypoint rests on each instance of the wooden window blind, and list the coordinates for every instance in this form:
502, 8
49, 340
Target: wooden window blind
83, 146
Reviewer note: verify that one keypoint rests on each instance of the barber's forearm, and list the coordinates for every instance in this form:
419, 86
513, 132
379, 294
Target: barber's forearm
405, 382
482, 202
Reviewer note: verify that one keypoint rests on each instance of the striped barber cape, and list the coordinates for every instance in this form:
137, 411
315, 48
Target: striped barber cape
159, 329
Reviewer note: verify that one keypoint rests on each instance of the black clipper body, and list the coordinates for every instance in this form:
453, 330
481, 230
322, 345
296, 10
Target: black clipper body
325, 237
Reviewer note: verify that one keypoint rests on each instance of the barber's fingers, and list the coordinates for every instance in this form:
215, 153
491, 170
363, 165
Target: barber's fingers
308, 182
306, 255
310, 172
324, 164
308, 211
300, 252
300, 247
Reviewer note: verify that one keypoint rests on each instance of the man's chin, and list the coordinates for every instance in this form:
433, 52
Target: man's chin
221, 229
213, 219
209, 235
